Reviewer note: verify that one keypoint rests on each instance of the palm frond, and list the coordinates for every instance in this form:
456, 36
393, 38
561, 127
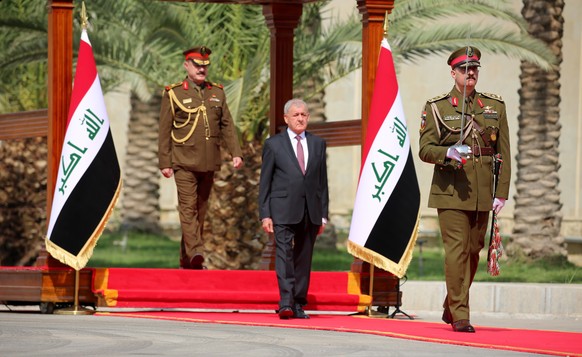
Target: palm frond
326, 53
240, 91
140, 43
444, 38
408, 14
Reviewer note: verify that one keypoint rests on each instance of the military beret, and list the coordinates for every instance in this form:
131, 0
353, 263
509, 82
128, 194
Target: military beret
465, 56
199, 55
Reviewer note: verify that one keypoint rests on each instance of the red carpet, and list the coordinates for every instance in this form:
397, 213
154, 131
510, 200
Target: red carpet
221, 289
533, 341
329, 291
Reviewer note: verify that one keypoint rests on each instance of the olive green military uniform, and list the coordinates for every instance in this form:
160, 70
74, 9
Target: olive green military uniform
193, 120
463, 194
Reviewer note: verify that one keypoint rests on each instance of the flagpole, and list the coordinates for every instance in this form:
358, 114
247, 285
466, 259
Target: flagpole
76, 309
387, 171
369, 311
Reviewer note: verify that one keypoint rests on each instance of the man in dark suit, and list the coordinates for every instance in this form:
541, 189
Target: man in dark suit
293, 204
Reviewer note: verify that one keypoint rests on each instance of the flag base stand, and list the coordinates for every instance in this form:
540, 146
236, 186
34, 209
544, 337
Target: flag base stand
383, 311
397, 311
75, 309
369, 311
375, 314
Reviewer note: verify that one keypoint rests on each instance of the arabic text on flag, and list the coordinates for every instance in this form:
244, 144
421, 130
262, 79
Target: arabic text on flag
89, 178
386, 211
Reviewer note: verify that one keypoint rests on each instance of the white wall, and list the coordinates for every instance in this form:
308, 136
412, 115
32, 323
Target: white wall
571, 119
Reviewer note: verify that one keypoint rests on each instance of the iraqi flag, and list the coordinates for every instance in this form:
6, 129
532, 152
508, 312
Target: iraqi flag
386, 212
89, 177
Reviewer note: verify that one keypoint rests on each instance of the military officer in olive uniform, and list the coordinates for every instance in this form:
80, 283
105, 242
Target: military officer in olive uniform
194, 117
462, 183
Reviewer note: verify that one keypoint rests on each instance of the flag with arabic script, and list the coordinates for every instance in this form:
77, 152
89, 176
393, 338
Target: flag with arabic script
89, 177
387, 207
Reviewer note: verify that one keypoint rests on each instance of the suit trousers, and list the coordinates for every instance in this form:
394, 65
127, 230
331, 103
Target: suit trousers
463, 234
294, 250
193, 193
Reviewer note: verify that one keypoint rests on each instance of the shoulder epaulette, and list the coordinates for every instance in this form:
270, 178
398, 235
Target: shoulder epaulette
438, 97
492, 96
174, 85
216, 85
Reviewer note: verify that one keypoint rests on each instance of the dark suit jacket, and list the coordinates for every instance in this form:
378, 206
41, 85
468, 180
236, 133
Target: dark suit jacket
284, 191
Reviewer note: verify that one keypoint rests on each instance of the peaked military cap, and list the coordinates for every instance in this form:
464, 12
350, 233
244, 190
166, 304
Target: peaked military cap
199, 55
465, 57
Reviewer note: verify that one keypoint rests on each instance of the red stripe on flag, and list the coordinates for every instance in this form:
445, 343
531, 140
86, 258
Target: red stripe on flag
84, 76
383, 97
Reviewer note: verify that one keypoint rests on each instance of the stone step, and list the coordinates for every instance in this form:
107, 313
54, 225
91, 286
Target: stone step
508, 298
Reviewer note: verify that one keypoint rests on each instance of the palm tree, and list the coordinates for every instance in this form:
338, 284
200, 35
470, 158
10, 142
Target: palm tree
238, 61
418, 29
23, 29
538, 217
537, 211
23, 166
138, 44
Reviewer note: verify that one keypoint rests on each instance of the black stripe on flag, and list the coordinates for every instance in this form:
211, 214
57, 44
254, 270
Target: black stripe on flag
395, 225
93, 194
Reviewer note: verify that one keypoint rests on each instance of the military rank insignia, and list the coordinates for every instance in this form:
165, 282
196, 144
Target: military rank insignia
490, 113
452, 117
423, 121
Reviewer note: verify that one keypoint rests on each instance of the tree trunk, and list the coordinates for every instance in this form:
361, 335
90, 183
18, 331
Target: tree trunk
538, 216
140, 201
233, 235
23, 173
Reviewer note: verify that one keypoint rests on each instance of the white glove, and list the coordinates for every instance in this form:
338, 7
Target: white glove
459, 153
498, 204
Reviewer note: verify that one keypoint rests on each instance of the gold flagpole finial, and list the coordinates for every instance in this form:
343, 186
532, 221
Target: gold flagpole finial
84, 17
386, 24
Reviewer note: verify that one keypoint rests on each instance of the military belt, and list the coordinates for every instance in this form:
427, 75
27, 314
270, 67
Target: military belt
482, 151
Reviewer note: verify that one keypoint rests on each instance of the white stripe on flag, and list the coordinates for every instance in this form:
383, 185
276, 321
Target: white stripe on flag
85, 134
380, 172
384, 230
89, 178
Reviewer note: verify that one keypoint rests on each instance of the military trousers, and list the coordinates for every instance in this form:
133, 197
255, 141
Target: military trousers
193, 193
463, 234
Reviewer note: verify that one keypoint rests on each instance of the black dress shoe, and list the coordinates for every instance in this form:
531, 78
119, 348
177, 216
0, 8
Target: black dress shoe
298, 312
463, 326
197, 262
285, 313
447, 317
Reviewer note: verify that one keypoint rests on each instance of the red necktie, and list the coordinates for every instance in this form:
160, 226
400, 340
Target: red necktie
300, 154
